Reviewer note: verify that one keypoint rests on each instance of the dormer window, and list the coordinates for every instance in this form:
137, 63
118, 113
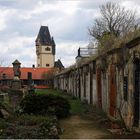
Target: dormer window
47, 49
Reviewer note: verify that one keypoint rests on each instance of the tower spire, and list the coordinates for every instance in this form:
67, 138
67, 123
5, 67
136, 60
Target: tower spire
45, 48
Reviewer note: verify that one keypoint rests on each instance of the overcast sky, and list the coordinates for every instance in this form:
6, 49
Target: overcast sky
68, 22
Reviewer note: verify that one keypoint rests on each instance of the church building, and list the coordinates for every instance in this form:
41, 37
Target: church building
45, 53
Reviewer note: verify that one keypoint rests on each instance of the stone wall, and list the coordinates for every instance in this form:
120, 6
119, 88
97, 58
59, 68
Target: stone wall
108, 81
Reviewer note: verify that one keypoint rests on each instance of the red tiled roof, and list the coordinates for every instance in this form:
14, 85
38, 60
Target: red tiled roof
36, 72
41, 87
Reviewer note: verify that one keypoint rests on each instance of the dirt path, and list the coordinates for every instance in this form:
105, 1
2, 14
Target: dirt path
78, 127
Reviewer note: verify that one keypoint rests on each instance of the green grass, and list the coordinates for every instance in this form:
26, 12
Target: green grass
48, 91
76, 106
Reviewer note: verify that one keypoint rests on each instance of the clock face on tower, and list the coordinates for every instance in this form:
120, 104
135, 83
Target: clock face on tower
47, 49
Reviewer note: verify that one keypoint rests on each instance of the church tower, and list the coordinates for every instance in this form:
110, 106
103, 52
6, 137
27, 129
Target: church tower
45, 48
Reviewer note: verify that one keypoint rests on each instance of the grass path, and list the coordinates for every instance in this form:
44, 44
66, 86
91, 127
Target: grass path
82, 124
85, 122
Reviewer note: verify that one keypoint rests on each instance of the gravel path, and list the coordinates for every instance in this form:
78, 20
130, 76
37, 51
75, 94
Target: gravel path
77, 127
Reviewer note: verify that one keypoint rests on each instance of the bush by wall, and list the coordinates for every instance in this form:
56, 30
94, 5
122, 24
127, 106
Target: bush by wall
30, 127
45, 104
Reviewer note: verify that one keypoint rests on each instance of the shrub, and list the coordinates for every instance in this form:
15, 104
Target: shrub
31, 127
31, 119
45, 104
48, 129
3, 124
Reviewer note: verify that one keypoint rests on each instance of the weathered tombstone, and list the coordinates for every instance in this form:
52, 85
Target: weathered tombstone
16, 83
30, 81
15, 97
16, 93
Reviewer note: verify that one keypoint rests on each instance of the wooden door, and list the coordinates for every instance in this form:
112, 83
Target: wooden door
91, 86
112, 93
84, 84
79, 86
99, 88
137, 92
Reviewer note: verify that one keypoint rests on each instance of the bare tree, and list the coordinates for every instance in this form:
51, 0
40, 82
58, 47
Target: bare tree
49, 77
114, 20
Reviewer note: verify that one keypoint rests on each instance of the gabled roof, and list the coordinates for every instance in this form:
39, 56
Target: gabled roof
44, 38
36, 72
58, 64
16, 62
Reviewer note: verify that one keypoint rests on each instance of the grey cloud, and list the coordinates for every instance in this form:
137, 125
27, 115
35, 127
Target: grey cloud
7, 3
90, 4
27, 27
18, 4
77, 23
74, 28
137, 2
24, 4
94, 4
63, 27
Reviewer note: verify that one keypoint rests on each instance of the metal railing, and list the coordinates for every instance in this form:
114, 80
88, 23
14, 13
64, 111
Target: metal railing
87, 52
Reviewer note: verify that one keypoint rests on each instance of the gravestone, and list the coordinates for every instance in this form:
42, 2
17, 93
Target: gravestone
16, 92
15, 97
30, 81
30, 84
16, 83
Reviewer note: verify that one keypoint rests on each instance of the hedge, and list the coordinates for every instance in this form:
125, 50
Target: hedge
45, 104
